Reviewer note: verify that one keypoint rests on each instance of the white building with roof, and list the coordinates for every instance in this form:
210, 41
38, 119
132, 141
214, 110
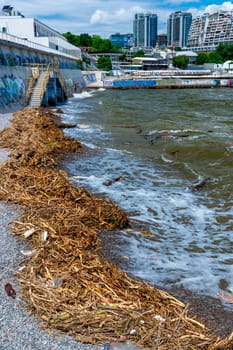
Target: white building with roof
32, 30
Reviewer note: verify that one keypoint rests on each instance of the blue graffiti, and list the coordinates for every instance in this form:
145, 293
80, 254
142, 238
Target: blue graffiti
134, 83
12, 90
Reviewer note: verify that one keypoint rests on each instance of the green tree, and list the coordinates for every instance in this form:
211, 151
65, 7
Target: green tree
94, 43
139, 53
104, 62
122, 57
215, 57
72, 38
202, 57
101, 45
225, 50
180, 61
85, 40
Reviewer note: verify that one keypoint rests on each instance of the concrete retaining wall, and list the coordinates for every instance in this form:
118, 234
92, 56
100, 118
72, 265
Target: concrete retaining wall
73, 79
13, 86
14, 83
167, 83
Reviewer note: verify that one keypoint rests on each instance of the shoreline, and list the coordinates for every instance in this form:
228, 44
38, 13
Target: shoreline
19, 328
141, 285
217, 317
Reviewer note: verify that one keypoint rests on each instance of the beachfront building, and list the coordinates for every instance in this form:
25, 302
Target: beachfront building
149, 63
122, 40
211, 29
31, 32
178, 27
145, 29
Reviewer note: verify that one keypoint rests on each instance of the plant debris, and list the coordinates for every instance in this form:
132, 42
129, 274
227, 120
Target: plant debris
67, 281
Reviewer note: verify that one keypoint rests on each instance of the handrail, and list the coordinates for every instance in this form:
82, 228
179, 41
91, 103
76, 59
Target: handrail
60, 77
45, 82
35, 75
25, 42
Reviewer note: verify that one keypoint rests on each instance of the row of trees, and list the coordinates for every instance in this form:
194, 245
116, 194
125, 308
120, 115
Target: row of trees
94, 43
223, 53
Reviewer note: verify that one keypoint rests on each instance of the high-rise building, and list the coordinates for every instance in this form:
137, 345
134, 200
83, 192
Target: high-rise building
145, 28
162, 40
178, 26
209, 30
122, 40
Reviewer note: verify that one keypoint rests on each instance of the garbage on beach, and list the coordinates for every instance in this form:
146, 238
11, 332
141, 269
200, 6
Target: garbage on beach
159, 318
29, 232
28, 253
44, 236
9, 290
67, 281
110, 182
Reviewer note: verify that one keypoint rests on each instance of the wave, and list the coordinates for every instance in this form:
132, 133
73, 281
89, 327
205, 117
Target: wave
84, 94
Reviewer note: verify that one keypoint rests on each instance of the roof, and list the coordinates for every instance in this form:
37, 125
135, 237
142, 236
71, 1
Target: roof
187, 53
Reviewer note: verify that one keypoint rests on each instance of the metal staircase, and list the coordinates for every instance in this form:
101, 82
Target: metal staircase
38, 90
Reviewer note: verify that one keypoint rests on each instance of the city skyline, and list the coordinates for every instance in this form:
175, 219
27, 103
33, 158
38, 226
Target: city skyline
105, 17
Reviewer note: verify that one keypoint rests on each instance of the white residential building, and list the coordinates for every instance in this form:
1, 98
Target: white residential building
211, 29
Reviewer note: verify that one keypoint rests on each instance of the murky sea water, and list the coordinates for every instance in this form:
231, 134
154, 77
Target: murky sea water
174, 151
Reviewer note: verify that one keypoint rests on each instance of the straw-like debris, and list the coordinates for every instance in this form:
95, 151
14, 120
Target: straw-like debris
66, 280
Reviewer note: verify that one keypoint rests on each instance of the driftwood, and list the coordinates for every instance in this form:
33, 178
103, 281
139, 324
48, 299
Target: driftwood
66, 280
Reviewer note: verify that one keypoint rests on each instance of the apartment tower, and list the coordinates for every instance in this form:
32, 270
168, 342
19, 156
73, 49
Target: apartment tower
178, 26
211, 29
145, 28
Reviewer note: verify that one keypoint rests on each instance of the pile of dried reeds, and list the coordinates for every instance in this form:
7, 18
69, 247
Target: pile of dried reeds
66, 280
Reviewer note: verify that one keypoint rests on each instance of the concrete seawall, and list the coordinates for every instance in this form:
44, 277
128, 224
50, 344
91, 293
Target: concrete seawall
171, 82
14, 82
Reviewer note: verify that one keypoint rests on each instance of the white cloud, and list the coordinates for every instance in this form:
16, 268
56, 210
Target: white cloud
104, 17
121, 15
225, 6
99, 17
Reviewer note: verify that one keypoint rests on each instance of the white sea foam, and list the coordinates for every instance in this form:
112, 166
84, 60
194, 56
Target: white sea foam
84, 94
83, 126
189, 246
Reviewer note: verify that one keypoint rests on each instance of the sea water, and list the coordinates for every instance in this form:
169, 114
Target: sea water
174, 152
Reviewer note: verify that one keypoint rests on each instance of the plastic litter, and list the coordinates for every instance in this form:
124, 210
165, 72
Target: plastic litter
159, 318
28, 253
10, 291
44, 236
29, 232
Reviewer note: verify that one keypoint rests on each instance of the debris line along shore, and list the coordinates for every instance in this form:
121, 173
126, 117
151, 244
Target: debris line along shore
66, 281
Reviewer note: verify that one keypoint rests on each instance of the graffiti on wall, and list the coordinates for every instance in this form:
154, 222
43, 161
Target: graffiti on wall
12, 90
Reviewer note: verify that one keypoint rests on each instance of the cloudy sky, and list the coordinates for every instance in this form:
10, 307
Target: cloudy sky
106, 17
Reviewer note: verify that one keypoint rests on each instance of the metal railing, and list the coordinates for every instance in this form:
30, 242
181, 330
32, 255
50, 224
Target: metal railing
32, 81
36, 70
45, 82
25, 42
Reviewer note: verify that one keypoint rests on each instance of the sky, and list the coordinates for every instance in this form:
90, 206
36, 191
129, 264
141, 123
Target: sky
106, 17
